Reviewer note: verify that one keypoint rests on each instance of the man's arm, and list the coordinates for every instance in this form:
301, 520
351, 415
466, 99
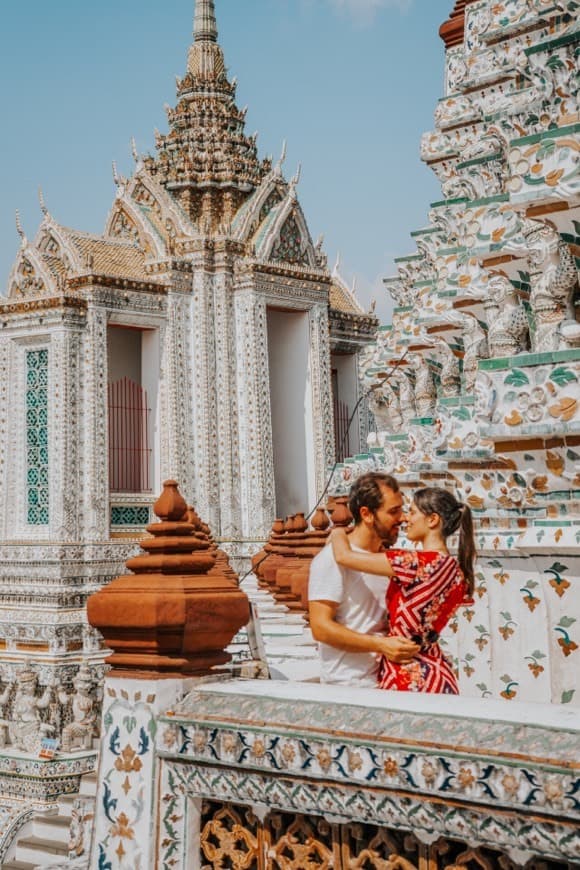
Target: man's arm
327, 630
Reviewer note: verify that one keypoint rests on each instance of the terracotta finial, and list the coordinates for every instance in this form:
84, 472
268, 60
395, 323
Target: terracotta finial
170, 505
300, 524
179, 611
341, 515
320, 520
452, 32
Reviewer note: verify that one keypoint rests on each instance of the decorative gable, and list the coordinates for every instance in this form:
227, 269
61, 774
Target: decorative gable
291, 246
124, 227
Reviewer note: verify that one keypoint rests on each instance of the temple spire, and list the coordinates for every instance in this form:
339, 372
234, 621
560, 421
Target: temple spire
204, 22
206, 59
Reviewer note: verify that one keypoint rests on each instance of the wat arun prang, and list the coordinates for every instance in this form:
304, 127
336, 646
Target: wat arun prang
486, 398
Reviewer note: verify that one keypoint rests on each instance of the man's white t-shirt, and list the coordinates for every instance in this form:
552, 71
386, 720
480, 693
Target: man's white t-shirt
361, 607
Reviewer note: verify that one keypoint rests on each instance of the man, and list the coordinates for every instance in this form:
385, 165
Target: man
347, 608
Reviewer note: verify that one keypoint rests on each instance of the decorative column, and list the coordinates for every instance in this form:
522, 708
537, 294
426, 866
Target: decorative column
322, 414
94, 467
6, 345
176, 456
205, 436
226, 406
168, 622
257, 494
65, 483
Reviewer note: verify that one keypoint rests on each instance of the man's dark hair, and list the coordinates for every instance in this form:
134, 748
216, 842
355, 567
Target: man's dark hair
366, 492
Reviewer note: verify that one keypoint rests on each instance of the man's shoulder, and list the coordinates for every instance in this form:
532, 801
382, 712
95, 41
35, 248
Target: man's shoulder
324, 558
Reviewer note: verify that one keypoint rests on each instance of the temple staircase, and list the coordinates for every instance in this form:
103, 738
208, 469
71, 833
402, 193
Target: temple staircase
48, 840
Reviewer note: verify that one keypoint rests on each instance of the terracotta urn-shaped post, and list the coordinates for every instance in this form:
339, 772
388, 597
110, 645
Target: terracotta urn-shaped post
261, 558
452, 31
167, 622
175, 614
340, 514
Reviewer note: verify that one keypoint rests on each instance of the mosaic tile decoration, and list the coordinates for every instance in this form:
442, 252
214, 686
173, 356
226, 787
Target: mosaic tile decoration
37, 437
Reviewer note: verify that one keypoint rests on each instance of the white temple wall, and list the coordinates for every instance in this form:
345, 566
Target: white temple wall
291, 403
124, 353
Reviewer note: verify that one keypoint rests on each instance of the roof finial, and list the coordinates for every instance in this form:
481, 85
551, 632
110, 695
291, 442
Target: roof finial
204, 22
296, 179
134, 151
19, 229
116, 178
335, 271
43, 207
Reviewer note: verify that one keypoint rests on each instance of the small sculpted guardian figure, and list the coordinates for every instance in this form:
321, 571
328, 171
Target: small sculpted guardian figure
508, 329
554, 281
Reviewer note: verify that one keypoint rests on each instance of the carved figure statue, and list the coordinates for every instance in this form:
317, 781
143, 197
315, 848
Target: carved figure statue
554, 281
425, 389
475, 345
26, 728
508, 329
450, 377
384, 404
82, 726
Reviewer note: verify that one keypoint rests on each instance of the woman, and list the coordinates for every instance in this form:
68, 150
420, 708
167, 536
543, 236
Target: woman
427, 586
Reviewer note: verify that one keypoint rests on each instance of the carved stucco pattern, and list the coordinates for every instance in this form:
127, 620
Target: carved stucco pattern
5, 367
64, 456
186, 784
321, 393
253, 397
95, 420
227, 416
204, 400
175, 401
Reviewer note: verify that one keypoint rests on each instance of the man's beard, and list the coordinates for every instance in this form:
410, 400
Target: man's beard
387, 535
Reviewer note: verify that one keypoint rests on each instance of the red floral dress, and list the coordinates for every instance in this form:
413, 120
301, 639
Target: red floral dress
424, 593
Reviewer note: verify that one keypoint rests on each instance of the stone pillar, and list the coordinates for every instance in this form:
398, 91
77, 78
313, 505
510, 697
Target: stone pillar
205, 436
177, 458
322, 413
165, 624
226, 406
6, 368
94, 467
65, 483
257, 493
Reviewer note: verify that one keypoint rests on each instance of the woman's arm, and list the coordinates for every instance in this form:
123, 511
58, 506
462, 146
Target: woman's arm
368, 563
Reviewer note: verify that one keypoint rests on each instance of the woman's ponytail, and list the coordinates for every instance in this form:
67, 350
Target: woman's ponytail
455, 517
466, 547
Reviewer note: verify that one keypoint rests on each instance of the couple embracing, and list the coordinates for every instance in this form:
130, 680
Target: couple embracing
378, 613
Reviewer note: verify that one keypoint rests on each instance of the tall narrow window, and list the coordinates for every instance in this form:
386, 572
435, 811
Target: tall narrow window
129, 450
37, 437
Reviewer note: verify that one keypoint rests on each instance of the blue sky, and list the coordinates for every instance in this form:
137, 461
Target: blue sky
350, 84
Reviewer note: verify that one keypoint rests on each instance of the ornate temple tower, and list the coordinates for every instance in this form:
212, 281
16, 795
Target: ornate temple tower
192, 340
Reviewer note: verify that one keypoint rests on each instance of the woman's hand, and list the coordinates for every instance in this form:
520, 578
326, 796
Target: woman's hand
340, 546
397, 649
